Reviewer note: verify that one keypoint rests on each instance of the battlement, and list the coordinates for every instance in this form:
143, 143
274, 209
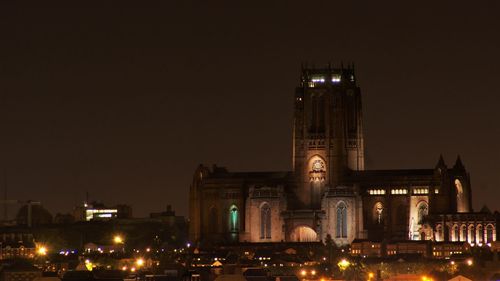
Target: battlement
314, 77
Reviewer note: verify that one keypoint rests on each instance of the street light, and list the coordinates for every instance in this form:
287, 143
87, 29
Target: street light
42, 251
343, 264
139, 262
118, 239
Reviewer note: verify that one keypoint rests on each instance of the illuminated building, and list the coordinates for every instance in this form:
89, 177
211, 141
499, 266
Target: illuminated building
329, 191
97, 211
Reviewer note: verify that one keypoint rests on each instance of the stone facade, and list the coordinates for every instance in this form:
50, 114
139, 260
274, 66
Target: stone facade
328, 192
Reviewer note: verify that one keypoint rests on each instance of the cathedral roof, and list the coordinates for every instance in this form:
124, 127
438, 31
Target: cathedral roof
388, 176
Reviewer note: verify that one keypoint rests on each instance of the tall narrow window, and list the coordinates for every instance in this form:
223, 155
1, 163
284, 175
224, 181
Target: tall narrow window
463, 233
439, 233
213, 217
489, 233
479, 233
265, 221
423, 210
456, 233
471, 236
233, 219
342, 220
378, 215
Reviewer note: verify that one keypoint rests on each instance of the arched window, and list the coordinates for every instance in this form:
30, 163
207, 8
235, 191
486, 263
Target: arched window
479, 233
265, 221
233, 219
456, 233
471, 234
489, 233
423, 210
439, 233
463, 233
342, 220
378, 210
213, 218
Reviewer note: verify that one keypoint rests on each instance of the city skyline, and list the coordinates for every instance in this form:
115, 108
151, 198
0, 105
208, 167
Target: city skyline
126, 105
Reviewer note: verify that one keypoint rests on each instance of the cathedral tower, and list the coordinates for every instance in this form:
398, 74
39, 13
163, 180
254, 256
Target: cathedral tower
327, 131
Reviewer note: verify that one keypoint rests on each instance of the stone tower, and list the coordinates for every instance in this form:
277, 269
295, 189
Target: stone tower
327, 132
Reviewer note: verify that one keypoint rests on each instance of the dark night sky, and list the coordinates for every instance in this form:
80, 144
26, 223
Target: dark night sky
124, 101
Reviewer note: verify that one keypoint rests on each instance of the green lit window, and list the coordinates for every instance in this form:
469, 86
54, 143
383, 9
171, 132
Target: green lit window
233, 218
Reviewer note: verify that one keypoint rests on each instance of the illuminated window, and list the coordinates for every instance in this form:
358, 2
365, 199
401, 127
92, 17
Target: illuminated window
423, 210
421, 190
376, 191
318, 79
336, 78
456, 233
233, 219
399, 191
378, 209
489, 233
463, 233
479, 233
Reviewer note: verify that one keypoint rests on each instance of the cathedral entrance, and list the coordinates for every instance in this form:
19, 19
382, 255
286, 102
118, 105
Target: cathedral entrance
303, 234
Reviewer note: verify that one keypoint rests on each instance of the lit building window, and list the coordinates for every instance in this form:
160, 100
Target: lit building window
336, 78
399, 191
233, 219
376, 191
318, 79
423, 210
421, 190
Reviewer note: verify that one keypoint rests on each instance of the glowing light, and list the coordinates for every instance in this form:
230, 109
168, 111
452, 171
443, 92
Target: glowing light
89, 265
303, 272
139, 262
124, 268
343, 264
371, 275
313, 272
42, 251
118, 239
132, 269
469, 262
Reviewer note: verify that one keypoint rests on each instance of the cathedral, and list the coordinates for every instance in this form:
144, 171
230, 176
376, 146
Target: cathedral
329, 193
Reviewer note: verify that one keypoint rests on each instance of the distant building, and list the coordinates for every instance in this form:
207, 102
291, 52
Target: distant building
444, 250
15, 243
99, 212
403, 248
366, 248
329, 192
20, 271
